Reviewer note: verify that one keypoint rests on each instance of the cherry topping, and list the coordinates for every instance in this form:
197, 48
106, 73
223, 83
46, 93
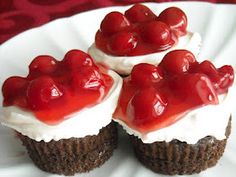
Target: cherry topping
177, 61
100, 40
221, 78
146, 105
142, 31
156, 32
12, 89
155, 97
87, 78
55, 89
226, 74
77, 58
149, 75
122, 43
114, 22
196, 88
41, 91
43, 64
205, 67
175, 18
140, 13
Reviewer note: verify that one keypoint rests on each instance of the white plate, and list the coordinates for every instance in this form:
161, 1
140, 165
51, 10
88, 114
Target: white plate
217, 25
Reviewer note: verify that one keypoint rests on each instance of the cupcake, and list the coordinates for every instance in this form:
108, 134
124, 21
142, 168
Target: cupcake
62, 112
177, 114
140, 36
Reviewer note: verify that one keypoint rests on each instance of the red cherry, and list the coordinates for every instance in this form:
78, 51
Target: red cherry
221, 78
41, 91
177, 61
87, 78
205, 67
146, 105
175, 18
114, 22
75, 59
226, 79
100, 40
156, 32
140, 13
144, 75
13, 88
195, 88
122, 43
43, 64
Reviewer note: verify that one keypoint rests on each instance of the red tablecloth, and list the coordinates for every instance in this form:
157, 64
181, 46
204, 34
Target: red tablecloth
19, 15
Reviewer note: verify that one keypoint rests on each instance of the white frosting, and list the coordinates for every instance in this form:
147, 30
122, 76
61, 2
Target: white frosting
85, 122
123, 65
210, 120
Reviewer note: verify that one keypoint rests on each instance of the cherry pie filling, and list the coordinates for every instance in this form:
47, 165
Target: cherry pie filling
55, 89
139, 31
154, 97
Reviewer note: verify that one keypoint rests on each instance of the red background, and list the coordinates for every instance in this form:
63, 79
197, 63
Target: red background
19, 15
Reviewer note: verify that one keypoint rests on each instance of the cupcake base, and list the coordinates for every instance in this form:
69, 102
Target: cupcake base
70, 156
179, 158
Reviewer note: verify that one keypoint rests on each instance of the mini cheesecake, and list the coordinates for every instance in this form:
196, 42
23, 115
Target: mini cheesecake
140, 36
62, 112
177, 113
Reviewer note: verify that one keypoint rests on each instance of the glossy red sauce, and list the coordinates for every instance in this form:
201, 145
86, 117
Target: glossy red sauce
154, 97
139, 31
55, 89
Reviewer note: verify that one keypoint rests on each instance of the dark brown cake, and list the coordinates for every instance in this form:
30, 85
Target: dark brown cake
178, 157
69, 156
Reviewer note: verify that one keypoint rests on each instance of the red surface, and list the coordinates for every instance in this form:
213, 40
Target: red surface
19, 15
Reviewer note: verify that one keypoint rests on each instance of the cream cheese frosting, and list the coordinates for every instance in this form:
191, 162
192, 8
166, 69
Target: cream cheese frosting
210, 120
80, 124
124, 64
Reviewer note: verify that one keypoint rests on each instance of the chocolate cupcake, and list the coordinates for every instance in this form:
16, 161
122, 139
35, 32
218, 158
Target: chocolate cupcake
73, 155
58, 112
178, 113
178, 157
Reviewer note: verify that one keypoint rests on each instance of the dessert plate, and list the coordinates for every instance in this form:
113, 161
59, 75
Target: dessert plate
216, 24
